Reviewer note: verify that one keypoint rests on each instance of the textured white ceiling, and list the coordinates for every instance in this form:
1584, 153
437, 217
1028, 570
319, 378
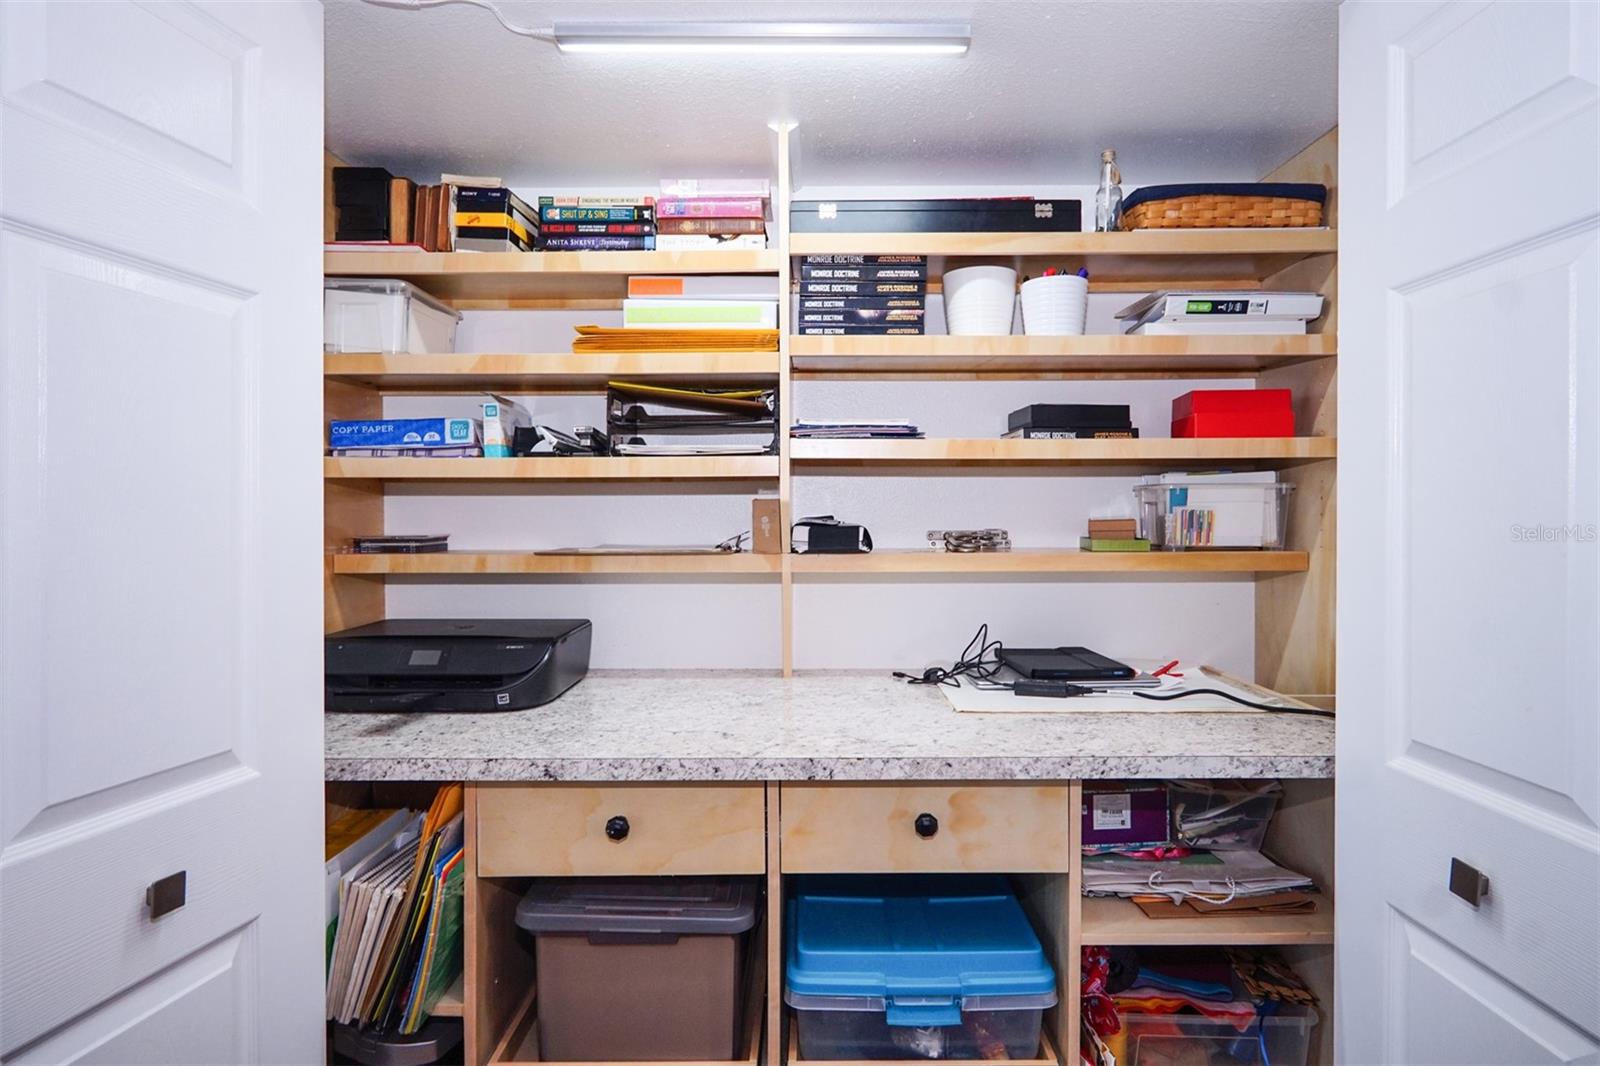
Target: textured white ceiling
1202, 90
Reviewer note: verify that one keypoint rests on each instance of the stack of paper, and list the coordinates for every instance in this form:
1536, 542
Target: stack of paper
1217, 876
621, 339
396, 942
854, 428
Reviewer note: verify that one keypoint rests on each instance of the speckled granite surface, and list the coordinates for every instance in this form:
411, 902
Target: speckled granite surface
731, 725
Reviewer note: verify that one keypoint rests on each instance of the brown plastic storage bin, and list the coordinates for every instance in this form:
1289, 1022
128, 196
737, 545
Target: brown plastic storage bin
639, 968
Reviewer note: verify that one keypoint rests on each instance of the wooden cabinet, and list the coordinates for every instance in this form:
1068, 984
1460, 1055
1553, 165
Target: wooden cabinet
558, 830
882, 828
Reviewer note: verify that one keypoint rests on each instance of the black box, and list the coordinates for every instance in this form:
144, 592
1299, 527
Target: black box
1070, 416
361, 196
1019, 214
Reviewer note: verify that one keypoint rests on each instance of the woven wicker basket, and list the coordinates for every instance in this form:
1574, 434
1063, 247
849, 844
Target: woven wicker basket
1219, 210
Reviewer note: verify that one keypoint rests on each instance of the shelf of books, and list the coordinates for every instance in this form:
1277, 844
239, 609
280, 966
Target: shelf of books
1104, 356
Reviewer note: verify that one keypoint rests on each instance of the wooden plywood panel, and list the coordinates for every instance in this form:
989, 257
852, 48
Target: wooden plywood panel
559, 830
871, 828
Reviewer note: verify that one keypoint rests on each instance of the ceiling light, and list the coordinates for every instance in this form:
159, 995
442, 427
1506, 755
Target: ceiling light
766, 38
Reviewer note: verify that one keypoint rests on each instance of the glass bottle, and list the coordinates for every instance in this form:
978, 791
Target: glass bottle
1108, 198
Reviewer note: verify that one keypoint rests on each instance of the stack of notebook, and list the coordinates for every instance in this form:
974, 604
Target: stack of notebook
394, 899
701, 302
1113, 535
667, 420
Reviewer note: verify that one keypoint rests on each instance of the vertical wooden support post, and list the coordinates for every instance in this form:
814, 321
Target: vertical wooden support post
780, 221
774, 1016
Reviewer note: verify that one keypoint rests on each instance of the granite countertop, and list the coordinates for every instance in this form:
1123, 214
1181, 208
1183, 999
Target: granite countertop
755, 726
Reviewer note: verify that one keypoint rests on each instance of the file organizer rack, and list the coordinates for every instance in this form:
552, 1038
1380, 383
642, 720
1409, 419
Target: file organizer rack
1294, 588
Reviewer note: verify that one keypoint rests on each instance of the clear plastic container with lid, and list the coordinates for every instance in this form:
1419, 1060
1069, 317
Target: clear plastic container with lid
384, 315
1282, 1038
937, 967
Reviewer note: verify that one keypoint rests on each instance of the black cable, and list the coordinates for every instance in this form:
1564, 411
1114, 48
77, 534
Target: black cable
980, 667
1276, 708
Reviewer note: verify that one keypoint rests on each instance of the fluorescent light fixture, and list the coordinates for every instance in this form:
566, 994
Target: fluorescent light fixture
767, 38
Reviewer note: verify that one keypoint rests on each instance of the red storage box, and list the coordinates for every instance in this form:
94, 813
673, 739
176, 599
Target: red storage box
1233, 413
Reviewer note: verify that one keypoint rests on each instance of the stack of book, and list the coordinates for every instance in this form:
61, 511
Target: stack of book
863, 295
597, 223
698, 302
1071, 421
1113, 535
699, 213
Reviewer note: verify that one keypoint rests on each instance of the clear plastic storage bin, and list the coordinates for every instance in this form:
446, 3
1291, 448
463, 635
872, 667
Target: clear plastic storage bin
1223, 815
384, 315
1282, 1039
914, 968
1197, 514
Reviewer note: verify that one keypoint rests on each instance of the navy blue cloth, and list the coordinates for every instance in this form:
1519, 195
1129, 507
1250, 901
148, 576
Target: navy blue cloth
1290, 190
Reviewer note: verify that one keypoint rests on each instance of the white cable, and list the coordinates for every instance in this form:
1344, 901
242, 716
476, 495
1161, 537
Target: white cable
538, 34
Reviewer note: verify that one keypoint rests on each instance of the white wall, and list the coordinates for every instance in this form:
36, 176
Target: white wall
880, 623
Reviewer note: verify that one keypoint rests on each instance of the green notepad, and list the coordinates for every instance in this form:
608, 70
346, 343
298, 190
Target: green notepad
1118, 544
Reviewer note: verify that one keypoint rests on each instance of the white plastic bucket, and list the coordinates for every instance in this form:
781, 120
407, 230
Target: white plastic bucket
979, 300
1056, 305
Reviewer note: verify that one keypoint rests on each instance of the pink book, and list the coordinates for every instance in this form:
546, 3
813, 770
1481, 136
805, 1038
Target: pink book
711, 207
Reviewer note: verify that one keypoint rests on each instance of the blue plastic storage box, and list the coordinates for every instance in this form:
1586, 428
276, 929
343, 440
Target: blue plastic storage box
914, 967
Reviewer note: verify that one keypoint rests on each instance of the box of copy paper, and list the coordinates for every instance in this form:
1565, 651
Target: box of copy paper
501, 419
402, 432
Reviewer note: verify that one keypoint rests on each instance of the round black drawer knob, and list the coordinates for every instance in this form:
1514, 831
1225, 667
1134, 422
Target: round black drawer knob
926, 825
617, 828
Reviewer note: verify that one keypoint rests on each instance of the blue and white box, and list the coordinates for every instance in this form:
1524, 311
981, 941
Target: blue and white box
403, 432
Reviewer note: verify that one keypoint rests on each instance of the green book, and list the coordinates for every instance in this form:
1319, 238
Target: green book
1118, 544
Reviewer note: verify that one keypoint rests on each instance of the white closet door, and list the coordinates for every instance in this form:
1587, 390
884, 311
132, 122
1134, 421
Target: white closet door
1469, 532
160, 693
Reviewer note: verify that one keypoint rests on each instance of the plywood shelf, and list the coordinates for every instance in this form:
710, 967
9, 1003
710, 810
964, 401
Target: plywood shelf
521, 562
1052, 561
543, 372
1115, 261
1148, 451
539, 279
1115, 922
1109, 356
450, 1004
558, 468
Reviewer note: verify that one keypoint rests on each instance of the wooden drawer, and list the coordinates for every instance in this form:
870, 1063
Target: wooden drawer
971, 827
561, 830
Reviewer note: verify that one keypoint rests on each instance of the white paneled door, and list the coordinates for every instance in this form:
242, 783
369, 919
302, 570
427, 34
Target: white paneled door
1469, 539
160, 692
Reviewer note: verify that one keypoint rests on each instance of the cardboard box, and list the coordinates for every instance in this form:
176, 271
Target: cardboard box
403, 432
766, 525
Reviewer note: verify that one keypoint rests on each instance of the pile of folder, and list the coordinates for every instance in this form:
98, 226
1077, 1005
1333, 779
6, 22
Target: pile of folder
669, 420
394, 884
854, 429
624, 339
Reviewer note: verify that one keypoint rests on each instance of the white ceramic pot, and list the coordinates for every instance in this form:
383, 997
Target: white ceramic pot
1056, 305
979, 300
